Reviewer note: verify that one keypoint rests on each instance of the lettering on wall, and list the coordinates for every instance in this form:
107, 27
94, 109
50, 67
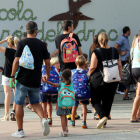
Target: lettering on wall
49, 35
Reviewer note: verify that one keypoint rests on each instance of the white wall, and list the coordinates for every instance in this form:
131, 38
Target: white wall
108, 14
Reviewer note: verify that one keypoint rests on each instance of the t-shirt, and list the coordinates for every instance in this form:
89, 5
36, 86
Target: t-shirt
9, 58
27, 77
97, 78
58, 41
124, 46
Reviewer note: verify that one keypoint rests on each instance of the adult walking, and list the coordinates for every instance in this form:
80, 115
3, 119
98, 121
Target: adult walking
9, 58
67, 27
123, 48
136, 74
29, 79
101, 91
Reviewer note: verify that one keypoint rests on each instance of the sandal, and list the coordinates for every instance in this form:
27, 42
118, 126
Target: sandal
28, 106
127, 98
67, 129
89, 111
5, 118
63, 134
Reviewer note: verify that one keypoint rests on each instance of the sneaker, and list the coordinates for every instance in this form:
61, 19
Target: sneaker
96, 116
77, 117
122, 93
13, 118
102, 122
109, 117
68, 117
18, 134
50, 121
45, 127
84, 125
5, 118
72, 123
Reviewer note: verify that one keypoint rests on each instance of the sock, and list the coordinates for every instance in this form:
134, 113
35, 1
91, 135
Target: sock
20, 130
14, 111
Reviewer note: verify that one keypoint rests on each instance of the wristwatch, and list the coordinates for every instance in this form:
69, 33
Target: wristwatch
12, 76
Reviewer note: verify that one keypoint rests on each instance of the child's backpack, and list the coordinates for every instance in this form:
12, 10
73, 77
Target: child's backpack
27, 60
69, 49
54, 77
81, 85
66, 96
110, 68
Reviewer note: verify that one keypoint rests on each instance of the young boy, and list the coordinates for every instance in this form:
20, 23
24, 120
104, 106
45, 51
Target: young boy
45, 99
80, 62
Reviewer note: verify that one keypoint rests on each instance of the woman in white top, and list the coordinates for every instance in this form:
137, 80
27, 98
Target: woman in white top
136, 74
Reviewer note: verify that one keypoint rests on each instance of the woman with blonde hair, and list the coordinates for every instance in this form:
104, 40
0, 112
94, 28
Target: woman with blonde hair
100, 90
9, 58
133, 45
136, 74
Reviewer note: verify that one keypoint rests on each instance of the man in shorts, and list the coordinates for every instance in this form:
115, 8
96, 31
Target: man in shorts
67, 27
29, 81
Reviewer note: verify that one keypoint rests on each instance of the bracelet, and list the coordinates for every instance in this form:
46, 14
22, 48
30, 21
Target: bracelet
12, 76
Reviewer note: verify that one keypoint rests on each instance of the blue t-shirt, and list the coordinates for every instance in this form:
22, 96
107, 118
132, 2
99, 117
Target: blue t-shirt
124, 46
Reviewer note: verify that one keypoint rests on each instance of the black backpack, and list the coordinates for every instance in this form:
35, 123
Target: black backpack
127, 78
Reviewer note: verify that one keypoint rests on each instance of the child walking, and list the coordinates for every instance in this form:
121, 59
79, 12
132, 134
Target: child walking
66, 97
47, 91
80, 82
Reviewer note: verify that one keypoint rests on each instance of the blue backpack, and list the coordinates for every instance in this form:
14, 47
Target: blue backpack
81, 85
66, 96
54, 77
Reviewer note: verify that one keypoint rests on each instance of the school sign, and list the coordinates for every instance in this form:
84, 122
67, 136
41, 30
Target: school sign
90, 17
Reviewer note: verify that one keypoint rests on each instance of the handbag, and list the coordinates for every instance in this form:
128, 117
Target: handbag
110, 68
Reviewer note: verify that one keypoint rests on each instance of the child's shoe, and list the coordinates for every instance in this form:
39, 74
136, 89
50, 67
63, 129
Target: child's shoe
13, 118
63, 134
72, 123
50, 121
68, 117
84, 125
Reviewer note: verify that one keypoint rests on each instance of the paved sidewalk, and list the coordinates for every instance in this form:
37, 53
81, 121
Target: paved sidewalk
119, 128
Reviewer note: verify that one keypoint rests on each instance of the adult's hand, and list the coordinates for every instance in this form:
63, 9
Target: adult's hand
123, 53
45, 78
12, 81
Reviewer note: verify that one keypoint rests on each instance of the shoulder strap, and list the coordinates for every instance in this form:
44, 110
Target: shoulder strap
100, 52
112, 52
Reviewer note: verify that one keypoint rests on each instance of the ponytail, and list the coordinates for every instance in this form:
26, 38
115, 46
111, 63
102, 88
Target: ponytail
16, 40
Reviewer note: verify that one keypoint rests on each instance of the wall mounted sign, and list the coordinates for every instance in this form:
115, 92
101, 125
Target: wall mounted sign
73, 13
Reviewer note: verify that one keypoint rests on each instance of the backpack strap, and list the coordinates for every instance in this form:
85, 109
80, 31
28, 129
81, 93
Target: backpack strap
112, 52
100, 52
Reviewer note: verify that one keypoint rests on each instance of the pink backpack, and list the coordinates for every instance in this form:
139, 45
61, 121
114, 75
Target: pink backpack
69, 49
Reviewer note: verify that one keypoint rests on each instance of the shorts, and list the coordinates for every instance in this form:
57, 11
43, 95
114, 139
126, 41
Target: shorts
5, 80
21, 92
136, 74
43, 98
85, 102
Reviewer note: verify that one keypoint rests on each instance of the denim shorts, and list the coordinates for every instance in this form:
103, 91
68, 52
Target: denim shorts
84, 102
22, 91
